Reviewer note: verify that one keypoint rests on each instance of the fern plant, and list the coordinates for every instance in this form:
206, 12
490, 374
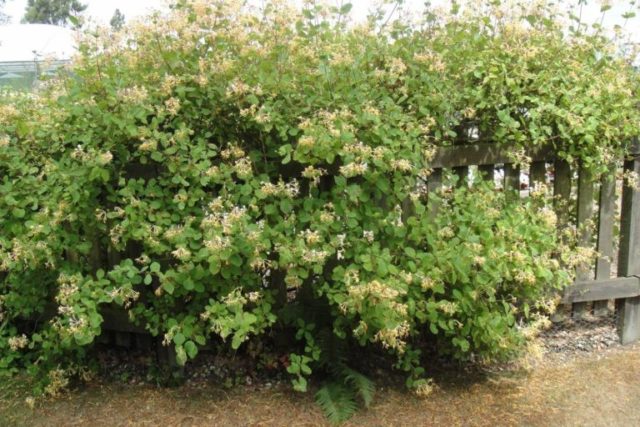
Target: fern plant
338, 398
336, 401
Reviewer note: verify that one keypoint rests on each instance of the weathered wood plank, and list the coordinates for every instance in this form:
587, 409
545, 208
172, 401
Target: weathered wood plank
483, 154
562, 191
115, 319
629, 255
562, 201
628, 319
537, 173
123, 339
585, 216
511, 177
434, 184
597, 290
143, 342
606, 212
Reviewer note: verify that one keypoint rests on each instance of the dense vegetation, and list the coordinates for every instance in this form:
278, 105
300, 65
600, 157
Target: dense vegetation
227, 174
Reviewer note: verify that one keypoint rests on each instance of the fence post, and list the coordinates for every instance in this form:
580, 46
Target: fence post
629, 257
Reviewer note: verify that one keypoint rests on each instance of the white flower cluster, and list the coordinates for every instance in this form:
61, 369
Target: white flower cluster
181, 253
548, 216
18, 342
68, 288
127, 295
314, 256
290, 189
402, 165
217, 243
353, 169
393, 337
314, 174
226, 221
368, 235
133, 95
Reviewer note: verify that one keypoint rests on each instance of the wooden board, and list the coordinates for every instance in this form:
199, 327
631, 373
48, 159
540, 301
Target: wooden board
537, 173
597, 290
585, 215
606, 218
482, 154
511, 178
434, 184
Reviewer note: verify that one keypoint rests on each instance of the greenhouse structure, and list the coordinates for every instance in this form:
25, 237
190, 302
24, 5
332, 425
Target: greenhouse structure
31, 53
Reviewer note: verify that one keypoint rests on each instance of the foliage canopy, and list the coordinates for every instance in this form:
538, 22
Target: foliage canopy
54, 12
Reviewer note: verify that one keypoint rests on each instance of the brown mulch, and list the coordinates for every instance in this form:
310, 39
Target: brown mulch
598, 388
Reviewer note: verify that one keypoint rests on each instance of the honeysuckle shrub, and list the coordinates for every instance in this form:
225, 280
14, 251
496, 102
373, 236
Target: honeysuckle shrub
225, 173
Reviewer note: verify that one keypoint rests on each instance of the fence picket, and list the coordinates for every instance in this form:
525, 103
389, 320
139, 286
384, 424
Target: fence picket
562, 196
434, 183
585, 215
537, 173
562, 191
606, 209
511, 177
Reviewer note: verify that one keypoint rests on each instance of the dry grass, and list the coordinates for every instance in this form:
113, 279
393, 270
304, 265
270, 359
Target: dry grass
593, 390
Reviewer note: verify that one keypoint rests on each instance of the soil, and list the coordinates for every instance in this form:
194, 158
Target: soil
584, 377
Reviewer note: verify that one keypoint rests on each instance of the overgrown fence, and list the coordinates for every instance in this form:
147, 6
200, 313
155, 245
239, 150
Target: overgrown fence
579, 199
616, 272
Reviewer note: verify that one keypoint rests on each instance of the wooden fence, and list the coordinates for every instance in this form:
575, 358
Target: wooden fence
577, 198
594, 202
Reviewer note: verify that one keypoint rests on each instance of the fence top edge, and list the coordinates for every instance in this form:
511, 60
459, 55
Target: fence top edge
485, 154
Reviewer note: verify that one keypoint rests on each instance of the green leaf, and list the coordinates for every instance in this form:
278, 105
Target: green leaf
169, 287
74, 20
300, 384
237, 341
346, 8
179, 338
191, 349
181, 356
214, 266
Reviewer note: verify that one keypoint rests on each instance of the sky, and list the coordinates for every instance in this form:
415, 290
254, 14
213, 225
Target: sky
101, 11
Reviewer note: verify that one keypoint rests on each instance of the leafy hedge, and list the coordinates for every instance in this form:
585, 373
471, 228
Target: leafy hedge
223, 173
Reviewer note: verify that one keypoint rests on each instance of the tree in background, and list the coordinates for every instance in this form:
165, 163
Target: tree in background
117, 20
55, 12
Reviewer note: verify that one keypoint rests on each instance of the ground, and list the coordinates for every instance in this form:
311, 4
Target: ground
596, 388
